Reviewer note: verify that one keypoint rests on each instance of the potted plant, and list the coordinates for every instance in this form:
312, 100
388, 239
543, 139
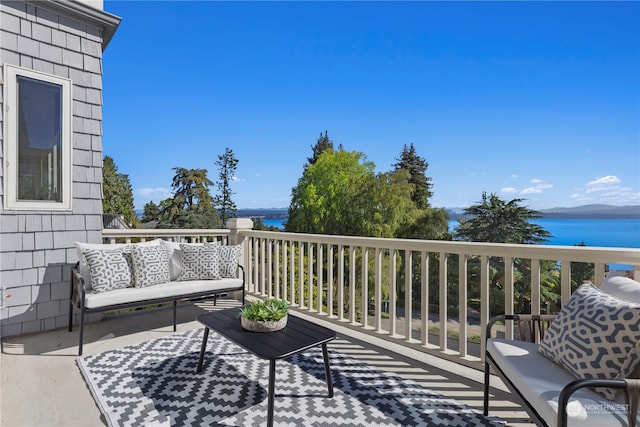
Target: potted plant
264, 316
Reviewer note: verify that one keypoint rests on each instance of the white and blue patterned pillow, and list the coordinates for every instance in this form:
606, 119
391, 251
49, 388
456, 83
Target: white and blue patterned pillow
229, 257
110, 268
150, 265
200, 262
595, 336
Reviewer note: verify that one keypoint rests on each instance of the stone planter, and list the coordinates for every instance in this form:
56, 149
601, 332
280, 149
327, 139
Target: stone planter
258, 326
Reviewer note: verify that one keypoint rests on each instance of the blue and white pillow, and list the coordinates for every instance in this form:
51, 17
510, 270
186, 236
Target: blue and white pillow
595, 336
200, 261
109, 268
229, 257
150, 265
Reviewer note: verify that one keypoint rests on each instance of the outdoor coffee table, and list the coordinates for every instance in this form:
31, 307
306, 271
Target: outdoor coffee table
297, 336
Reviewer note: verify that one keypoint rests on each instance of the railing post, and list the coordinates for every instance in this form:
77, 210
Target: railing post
236, 237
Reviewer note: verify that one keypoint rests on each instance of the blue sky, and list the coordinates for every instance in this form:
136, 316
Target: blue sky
533, 100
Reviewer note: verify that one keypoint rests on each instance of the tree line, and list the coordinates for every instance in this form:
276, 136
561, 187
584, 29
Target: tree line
339, 193
191, 206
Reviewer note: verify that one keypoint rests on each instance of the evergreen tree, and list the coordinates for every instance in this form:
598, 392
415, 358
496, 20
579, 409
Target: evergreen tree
322, 144
417, 168
227, 163
117, 194
192, 204
497, 221
151, 212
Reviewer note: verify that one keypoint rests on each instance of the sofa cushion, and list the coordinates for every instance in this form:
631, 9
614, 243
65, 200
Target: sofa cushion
110, 268
175, 258
199, 261
96, 300
150, 265
540, 382
229, 257
620, 286
83, 268
595, 335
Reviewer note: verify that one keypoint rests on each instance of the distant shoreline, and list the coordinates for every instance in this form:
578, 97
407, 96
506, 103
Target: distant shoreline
580, 212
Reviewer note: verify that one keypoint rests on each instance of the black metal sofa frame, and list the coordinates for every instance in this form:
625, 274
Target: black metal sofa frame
78, 295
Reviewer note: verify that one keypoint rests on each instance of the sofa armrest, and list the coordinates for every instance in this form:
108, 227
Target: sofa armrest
531, 327
631, 387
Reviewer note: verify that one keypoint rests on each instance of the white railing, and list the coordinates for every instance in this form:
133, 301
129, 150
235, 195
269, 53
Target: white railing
333, 277
175, 235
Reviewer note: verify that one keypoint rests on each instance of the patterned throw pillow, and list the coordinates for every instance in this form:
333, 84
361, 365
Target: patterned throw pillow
229, 256
110, 268
150, 265
200, 262
595, 336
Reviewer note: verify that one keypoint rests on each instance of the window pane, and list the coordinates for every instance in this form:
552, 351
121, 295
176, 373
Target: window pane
39, 140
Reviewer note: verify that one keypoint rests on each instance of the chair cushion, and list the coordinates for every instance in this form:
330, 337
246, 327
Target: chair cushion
595, 335
620, 286
150, 265
540, 382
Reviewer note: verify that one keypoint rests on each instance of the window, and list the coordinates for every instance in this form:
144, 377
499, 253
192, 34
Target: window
38, 149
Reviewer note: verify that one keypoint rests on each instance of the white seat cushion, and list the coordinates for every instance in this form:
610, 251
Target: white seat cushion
540, 382
620, 286
163, 290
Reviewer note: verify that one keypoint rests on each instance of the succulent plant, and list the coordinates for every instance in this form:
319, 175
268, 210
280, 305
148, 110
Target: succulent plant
270, 309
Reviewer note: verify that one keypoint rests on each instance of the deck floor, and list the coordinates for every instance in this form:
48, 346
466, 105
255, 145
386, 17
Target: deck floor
41, 385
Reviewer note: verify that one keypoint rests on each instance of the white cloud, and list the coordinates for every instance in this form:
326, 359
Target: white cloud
607, 189
606, 183
509, 190
159, 193
514, 176
531, 190
538, 187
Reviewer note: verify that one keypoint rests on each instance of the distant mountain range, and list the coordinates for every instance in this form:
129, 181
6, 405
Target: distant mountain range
593, 211
585, 211
578, 212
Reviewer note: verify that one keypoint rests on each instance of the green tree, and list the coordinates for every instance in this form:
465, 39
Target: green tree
227, 163
192, 204
326, 199
117, 195
497, 221
151, 212
410, 161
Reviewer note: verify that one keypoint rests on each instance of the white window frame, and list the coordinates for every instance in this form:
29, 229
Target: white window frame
10, 160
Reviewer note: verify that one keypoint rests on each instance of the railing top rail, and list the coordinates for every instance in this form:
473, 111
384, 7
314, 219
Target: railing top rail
164, 232
629, 256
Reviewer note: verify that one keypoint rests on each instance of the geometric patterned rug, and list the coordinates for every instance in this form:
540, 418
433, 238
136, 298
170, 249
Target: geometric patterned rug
155, 383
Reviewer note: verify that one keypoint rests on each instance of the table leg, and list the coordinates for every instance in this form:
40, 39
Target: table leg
272, 380
202, 349
327, 369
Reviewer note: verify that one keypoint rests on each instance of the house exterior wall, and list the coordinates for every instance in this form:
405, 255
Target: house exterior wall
37, 247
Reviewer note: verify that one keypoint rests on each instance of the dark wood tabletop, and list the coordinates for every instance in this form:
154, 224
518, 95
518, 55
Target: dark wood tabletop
297, 336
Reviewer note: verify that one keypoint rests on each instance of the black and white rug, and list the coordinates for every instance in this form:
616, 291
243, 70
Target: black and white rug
154, 383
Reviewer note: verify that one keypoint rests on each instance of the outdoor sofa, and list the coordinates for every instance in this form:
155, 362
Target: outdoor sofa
111, 277
577, 368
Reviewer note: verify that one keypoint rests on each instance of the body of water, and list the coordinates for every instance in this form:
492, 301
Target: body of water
609, 233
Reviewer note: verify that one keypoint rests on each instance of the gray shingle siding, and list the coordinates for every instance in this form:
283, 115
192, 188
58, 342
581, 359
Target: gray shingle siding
37, 247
